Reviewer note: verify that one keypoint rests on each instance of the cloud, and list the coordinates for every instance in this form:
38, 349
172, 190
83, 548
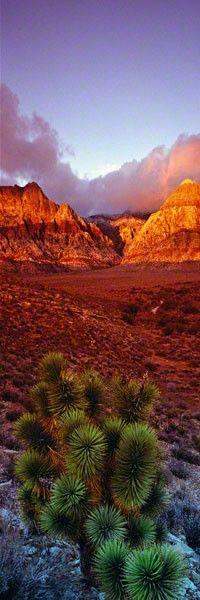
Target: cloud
31, 150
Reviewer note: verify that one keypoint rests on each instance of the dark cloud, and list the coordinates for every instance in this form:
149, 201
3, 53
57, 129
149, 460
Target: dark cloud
32, 150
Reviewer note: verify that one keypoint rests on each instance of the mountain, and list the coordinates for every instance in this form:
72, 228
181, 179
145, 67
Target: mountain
172, 234
121, 229
36, 231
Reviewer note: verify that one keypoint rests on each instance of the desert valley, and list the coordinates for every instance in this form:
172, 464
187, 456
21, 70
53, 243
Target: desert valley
116, 294
100, 300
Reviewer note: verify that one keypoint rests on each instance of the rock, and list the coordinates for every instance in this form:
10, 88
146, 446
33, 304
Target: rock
38, 233
180, 546
172, 234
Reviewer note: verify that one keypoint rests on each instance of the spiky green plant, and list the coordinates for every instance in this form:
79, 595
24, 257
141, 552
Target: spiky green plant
39, 397
158, 498
70, 497
51, 367
155, 573
141, 531
31, 505
93, 479
37, 470
31, 431
134, 399
161, 531
71, 420
135, 465
65, 393
86, 451
103, 523
113, 428
94, 390
110, 561
57, 524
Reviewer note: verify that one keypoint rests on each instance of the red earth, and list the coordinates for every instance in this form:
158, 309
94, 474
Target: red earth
130, 319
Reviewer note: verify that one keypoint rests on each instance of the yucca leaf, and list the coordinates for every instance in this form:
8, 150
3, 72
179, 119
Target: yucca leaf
135, 465
70, 420
65, 393
51, 367
141, 531
110, 560
113, 428
30, 431
86, 451
30, 504
134, 399
59, 525
155, 573
157, 500
70, 497
34, 467
105, 522
161, 531
39, 396
94, 391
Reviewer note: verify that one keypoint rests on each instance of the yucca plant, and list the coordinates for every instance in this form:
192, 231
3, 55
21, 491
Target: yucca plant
96, 479
136, 460
134, 399
141, 531
110, 561
39, 397
33, 433
103, 523
155, 573
71, 420
94, 391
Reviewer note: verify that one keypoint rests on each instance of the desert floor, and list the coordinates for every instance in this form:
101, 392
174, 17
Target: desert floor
130, 319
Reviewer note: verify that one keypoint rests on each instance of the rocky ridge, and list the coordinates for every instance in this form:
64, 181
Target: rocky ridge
37, 231
172, 234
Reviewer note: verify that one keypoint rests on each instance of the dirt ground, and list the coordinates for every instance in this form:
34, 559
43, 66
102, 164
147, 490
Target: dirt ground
130, 319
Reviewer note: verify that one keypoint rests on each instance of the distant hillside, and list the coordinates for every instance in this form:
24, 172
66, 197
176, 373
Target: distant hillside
172, 234
120, 229
37, 232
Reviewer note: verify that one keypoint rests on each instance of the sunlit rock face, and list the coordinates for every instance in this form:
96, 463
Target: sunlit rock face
120, 229
35, 229
172, 234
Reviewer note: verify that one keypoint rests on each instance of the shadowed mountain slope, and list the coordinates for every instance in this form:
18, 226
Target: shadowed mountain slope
38, 231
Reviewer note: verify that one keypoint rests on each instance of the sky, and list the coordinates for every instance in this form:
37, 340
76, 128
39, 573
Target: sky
99, 97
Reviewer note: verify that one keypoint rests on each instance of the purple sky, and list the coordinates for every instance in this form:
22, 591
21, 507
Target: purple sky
114, 78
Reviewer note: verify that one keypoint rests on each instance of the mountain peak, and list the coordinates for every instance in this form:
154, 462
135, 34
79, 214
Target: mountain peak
36, 229
188, 182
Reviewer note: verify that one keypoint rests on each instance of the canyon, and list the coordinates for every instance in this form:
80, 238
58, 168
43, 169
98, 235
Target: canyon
38, 234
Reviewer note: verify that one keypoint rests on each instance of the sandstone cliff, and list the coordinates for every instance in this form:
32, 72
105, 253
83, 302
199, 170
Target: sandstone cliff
172, 234
38, 231
121, 229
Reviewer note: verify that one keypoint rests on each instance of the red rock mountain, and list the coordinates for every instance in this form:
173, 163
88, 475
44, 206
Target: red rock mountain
121, 229
38, 232
172, 234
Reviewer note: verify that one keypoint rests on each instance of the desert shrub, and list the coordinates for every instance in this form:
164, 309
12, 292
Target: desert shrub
10, 393
182, 516
93, 479
179, 469
191, 527
130, 312
182, 453
13, 414
196, 441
